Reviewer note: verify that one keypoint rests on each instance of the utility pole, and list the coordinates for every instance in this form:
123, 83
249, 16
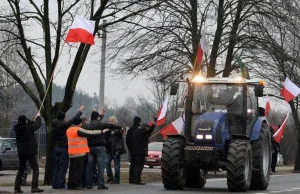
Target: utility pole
102, 67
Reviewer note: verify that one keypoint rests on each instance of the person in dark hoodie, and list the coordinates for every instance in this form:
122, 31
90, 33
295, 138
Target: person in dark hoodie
97, 150
60, 141
27, 150
129, 144
140, 149
114, 149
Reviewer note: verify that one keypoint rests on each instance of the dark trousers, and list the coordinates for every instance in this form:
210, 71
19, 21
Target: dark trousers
109, 158
274, 161
22, 165
139, 161
61, 167
75, 172
131, 169
83, 178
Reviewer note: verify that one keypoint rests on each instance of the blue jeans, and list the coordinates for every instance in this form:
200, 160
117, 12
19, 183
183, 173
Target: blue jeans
96, 155
61, 167
110, 157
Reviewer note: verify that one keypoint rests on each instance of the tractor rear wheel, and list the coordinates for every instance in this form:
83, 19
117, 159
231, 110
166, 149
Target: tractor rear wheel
195, 177
239, 167
261, 153
172, 167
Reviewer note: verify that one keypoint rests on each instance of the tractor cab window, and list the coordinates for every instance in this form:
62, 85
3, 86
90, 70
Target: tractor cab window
251, 99
218, 98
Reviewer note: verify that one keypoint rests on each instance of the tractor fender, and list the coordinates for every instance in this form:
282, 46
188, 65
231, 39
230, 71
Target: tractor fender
177, 136
256, 128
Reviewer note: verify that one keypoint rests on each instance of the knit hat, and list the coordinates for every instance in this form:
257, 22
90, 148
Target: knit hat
61, 116
22, 119
76, 121
95, 115
137, 120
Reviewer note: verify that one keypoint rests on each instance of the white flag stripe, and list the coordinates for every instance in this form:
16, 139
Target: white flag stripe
291, 87
80, 22
204, 43
164, 109
178, 123
282, 125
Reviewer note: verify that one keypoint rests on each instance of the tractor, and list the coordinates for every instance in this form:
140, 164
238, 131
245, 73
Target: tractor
224, 128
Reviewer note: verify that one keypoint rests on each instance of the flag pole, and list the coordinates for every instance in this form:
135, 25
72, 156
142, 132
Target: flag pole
51, 78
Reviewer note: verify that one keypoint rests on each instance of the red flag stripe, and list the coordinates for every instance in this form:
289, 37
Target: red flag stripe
288, 96
279, 133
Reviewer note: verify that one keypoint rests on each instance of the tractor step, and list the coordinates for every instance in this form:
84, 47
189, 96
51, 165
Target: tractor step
199, 148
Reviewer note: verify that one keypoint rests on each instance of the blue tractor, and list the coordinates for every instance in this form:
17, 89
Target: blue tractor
224, 128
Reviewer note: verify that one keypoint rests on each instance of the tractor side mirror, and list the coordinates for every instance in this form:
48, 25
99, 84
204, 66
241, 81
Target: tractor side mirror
259, 91
174, 89
261, 111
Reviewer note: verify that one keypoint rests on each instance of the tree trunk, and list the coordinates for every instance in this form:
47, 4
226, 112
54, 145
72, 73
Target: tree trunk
50, 164
297, 160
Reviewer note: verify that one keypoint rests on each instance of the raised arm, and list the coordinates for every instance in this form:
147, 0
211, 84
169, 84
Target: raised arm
90, 133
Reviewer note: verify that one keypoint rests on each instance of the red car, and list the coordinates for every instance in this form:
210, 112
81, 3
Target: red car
154, 154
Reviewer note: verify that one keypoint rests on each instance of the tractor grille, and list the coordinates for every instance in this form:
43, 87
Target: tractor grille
198, 148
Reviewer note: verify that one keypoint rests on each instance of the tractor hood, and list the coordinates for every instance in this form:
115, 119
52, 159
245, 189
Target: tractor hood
211, 123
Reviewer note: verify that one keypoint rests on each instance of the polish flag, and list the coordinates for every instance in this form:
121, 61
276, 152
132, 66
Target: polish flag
81, 31
267, 106
174, 128
202, 49
279, 133
289, 90
161, 115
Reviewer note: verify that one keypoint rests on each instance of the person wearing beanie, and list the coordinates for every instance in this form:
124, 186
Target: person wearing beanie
59, 137
129, 143
97, 152
27, 150
140, 149
77, 149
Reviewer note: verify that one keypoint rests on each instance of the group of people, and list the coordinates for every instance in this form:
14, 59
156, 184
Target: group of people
86, 148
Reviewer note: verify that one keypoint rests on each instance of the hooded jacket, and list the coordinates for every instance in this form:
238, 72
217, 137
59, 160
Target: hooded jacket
130, 132
59, 130
25, 137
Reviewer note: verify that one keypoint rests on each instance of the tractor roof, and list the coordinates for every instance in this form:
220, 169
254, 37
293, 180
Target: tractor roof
237, 80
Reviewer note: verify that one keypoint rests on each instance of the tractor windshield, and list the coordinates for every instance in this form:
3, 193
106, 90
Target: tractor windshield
218, 98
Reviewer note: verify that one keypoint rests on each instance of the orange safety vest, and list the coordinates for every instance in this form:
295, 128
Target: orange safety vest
76, 145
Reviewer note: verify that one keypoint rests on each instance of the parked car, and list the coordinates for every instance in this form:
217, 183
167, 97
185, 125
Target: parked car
9, 159
154, 154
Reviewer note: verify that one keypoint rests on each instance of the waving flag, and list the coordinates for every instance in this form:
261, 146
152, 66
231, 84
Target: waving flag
289, 90
202, 49
81, 31
161, 115
279, 133
267, 106
244, 69
173, 128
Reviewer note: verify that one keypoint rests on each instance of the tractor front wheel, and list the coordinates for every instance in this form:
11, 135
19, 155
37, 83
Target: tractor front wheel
239, 167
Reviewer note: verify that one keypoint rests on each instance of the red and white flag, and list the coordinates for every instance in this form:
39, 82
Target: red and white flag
202, 49
173, 128
279, 133
289, 90
161, 115
81, 31
267, 105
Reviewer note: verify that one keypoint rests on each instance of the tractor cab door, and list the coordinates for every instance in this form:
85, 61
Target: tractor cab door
252, 109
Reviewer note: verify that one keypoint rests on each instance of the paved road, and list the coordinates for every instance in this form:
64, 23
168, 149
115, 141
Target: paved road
285, 184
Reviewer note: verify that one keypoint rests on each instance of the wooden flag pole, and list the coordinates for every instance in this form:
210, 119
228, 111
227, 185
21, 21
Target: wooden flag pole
51, 78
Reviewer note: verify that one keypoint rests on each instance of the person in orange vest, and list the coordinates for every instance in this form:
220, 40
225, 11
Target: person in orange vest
77, 149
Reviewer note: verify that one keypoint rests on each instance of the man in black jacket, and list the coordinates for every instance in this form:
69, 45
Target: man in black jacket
97, 150
114, 149
129, 143
60, 141
27, 150
275, 149
140, 149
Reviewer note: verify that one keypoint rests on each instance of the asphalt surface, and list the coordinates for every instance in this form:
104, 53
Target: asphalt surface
288, 183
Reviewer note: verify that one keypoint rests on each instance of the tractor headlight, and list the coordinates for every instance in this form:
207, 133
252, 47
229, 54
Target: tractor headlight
208, 136
199, 136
